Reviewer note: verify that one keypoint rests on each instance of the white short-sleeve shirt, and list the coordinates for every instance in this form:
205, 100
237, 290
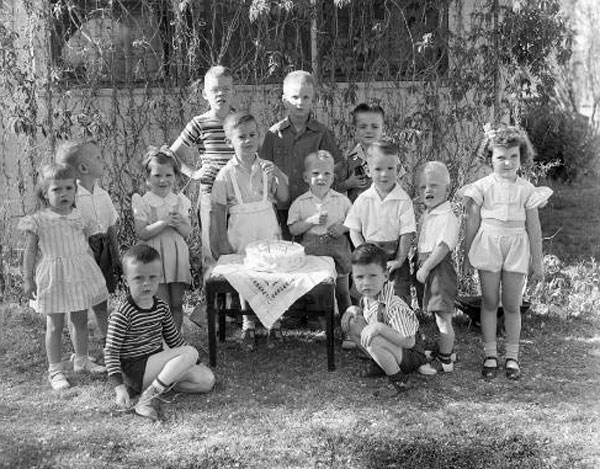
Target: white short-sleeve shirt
337, 206
439, 225
97, 206
382, 219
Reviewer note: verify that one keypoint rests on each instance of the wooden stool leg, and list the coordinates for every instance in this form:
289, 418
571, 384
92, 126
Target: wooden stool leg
221, 317
210, 320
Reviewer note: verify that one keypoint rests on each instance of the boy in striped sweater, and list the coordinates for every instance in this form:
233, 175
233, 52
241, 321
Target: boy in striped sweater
382, 326
134, 355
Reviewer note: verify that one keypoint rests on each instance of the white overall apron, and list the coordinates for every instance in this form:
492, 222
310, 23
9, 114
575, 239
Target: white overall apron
252, 221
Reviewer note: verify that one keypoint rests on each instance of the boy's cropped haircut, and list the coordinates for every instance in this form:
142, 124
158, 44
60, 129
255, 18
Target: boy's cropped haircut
436, 167
217, 71
386, 146
69, 151
162, 155
234, 120
301, 76
366, 108
368, 253
503, 135
140, 254
322, 155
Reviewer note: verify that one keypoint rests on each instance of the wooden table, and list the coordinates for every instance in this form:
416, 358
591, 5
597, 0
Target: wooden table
217, 287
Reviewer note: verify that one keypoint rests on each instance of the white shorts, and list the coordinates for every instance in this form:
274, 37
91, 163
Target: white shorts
495, 249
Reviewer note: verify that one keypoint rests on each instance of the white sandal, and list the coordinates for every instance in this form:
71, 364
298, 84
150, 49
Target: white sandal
58, 381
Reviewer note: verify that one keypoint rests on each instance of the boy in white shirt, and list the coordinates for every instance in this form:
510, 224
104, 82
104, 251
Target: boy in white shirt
438, 236
384, 215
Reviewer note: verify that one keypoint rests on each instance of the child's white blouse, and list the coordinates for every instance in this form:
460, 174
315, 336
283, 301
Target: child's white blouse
150, 208
504, 200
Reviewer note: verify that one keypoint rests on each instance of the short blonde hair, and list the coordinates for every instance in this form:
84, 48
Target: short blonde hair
320, 155
234, 120
298, 76
436, 167
386, 146
217, 71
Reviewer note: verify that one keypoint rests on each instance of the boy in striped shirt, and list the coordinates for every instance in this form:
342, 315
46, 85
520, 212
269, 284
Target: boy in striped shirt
134, 355
382, 326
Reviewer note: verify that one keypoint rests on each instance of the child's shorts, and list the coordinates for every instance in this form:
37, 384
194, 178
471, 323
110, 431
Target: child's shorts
412, 359
133, 371
439, 291
325, 245
100, 245
495, 249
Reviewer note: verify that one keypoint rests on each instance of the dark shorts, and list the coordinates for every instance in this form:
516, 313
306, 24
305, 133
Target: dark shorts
103, 254
337, 248
412, 359
401, 277
133, 372
440, 287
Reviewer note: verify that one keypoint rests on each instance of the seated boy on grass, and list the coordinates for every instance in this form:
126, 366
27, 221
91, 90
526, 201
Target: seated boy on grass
134, 354
382, 326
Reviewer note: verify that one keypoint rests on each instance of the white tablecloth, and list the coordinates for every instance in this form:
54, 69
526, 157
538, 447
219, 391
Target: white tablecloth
271, 294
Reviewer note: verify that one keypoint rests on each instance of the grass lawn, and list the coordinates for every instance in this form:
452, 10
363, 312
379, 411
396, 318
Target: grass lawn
282, 408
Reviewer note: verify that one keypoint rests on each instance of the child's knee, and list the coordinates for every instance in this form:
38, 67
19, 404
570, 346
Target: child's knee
443, 320
190, 354
349, 317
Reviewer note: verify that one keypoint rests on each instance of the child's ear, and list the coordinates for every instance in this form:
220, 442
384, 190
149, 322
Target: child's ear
228, 142
82, 168
368, 171
306, 177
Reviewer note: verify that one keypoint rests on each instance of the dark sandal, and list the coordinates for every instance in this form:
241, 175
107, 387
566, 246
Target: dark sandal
371, 370
489, 372
513, 374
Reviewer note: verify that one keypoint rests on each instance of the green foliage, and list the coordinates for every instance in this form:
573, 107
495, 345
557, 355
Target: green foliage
129, 79
566, 141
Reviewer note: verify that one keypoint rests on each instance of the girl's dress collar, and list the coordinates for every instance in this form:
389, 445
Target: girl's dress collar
157, 201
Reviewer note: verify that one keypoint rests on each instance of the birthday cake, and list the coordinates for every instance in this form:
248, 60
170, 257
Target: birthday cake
274, 256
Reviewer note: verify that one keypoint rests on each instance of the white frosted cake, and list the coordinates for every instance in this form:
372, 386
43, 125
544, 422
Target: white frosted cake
274, 256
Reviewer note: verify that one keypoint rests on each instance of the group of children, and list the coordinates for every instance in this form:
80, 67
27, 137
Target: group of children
295, 185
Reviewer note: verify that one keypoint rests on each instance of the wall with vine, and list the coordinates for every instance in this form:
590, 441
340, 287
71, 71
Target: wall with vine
126, 73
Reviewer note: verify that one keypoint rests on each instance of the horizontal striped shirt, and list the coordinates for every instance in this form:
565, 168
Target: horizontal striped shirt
206, 134
389, 309
134, 332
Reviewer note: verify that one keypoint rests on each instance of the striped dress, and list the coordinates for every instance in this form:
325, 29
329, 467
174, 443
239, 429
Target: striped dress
67, 277
134, 332
206, 134
392, 311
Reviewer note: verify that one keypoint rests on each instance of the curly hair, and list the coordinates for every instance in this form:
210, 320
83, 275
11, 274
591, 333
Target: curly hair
52, 172
506, 136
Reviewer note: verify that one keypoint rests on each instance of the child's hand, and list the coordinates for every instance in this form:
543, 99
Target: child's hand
355, 181
349, 317
268, 168
122, 397
175, 219
318, 218
536, 274
336, 230
368, 334
422, 274
29, 288
393, 265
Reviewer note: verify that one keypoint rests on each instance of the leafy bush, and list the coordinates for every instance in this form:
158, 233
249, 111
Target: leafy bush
566, 142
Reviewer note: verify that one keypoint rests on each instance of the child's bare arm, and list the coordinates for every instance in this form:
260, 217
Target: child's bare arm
184, 155
279, 184
29, 257
473, 213
388, 333
219, 242
534, 230
181, 223
146, 231
357, 238
437, 255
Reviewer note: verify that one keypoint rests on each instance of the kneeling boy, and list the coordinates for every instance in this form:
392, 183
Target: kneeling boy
134, 355
383, 326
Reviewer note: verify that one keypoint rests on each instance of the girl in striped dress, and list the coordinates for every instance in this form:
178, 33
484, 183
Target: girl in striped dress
59, 270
